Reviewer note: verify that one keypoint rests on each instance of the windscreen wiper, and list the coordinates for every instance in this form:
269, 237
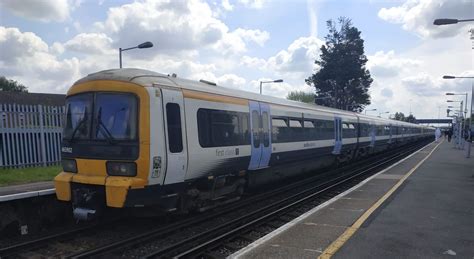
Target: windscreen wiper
108, 136
79, 125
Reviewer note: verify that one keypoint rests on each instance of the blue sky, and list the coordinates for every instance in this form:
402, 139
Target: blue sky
49, 44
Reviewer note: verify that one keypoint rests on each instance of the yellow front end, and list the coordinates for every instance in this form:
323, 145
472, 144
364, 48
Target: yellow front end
93, 172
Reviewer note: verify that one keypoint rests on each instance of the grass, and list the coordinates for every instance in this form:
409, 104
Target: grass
28, 175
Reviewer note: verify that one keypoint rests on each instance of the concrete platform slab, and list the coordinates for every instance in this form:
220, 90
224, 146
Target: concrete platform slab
430, 215
22, 191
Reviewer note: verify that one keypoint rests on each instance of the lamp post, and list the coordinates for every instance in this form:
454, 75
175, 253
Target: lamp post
144, 45
460, 124
471, 127
371, 110
272, 81
380, 113
465, 108
446, 21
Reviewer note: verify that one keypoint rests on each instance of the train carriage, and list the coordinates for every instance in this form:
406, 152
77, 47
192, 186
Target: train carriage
136, 138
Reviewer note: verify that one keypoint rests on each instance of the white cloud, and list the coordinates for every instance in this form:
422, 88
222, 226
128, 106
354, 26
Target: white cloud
298, 58
226, 5
90, 43
387, 64
16, 45
254, 4
232, 81
42, 10
313, 19
423, 85
253, 62
418, 15
175, 26
28, 59
57, 49
257, 36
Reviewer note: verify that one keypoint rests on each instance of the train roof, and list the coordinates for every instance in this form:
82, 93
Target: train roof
149, 78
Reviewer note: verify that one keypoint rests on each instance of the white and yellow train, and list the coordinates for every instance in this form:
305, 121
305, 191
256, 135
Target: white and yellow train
136, 138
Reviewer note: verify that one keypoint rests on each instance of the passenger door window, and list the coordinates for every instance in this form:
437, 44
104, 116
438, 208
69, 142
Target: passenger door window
173, 118
256, 129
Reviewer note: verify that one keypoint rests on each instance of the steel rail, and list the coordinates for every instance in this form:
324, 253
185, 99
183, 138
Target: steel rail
174, 227
267, 211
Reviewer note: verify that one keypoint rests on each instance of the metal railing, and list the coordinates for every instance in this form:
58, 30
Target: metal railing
30, 135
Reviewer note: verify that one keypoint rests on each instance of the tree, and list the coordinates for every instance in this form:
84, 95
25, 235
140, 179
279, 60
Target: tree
9, 85
342, 80
399, 116
301, 96
410, 119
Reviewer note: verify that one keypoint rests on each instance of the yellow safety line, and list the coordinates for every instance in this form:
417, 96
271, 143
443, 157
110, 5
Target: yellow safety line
339, 242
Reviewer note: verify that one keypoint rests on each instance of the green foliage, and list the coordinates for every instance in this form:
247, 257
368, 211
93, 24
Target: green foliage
28, 175
301, 96
342, 80
9, 85
399, 116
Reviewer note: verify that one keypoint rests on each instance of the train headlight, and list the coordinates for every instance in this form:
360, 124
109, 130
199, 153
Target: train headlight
69, 165
121, 169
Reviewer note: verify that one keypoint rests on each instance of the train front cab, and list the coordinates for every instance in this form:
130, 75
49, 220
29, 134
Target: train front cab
106, 145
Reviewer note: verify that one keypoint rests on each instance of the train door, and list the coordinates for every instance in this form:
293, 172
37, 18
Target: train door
337, 136
260, 135
266, 135
173, 113
373, 132
390, 129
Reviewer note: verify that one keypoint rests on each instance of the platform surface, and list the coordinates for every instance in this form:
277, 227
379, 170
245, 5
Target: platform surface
430, 215
22, 191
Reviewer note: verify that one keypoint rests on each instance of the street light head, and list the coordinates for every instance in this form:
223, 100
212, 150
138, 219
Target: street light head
445, 21
449, 101
449, 77
145, 45
449, 93
278, 81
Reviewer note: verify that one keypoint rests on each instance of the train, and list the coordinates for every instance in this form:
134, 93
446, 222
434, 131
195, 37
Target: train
134, 138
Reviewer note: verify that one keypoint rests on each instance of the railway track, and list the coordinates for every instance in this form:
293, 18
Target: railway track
218, 237
224, 239
163, 242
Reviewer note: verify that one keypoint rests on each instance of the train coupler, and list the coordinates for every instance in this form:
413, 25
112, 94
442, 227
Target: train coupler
84, 214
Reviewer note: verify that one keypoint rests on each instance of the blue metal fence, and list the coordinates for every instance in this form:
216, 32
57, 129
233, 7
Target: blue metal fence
30, 135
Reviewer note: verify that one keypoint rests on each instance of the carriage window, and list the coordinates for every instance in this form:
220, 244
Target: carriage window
296, 128
279, 123
325, 129
217, 128
348, 130
295, 124
280, 130
308, 124
173, 118
365, 129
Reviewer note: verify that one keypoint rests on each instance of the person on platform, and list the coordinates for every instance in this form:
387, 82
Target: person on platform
450, 134
437, 134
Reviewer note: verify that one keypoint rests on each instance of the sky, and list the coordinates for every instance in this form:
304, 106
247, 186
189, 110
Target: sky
49, 44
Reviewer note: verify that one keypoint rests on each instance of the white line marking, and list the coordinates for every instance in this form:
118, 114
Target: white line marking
290, 224
24, 195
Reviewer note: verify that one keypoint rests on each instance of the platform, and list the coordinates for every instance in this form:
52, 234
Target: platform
423, 206
23, 191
